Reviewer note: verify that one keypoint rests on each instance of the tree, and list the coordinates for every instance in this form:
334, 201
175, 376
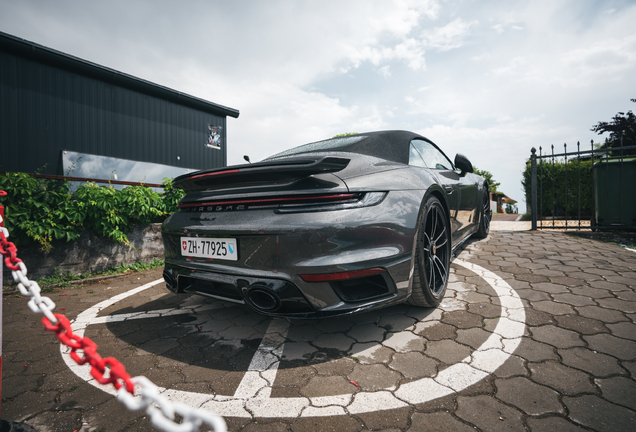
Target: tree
622, 125
492, 184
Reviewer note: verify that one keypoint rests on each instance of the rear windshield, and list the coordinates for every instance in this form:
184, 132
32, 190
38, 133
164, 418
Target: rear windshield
321, 145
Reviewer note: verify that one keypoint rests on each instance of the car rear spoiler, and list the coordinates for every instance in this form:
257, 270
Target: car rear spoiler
273, 172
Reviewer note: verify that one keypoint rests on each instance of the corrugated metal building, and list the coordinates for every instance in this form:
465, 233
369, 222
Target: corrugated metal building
51, 102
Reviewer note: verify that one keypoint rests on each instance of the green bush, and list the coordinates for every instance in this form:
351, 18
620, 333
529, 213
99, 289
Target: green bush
43, 210
552, 177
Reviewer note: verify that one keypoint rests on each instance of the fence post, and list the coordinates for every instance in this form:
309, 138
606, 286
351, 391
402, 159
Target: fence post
533, 182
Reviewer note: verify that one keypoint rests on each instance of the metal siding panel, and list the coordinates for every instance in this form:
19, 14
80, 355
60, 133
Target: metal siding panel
46, 110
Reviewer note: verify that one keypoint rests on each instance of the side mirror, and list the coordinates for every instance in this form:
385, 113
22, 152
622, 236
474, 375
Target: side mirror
247, 158
463, 164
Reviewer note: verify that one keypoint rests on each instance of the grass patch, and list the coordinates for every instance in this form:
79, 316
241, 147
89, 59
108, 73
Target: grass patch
526, 217
61, 279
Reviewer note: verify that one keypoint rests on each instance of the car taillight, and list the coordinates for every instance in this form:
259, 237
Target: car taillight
329, 277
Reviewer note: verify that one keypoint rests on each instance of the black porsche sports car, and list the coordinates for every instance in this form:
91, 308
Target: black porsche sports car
333, 227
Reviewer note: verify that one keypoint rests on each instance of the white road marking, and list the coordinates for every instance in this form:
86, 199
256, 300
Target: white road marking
253, 395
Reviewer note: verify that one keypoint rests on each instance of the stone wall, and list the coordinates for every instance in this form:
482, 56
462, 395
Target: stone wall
91, 253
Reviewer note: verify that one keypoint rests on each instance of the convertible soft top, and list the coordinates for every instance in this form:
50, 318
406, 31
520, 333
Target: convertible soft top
389, 145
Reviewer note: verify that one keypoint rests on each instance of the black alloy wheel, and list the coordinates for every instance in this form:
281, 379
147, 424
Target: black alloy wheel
485, 216
432, 258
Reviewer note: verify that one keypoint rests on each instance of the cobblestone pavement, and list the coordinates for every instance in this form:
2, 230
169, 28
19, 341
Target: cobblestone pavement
562, 358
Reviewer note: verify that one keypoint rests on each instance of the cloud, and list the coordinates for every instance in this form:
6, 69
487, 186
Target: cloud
448, 37
385, 71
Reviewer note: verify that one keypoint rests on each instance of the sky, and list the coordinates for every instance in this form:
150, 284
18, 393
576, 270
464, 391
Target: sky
488, 79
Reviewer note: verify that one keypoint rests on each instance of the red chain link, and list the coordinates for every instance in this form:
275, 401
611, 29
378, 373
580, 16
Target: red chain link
65, 334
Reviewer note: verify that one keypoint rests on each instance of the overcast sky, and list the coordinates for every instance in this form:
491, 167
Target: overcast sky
489, 79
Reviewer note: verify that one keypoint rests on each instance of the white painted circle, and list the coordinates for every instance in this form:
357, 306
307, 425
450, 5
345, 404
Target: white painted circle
252, 399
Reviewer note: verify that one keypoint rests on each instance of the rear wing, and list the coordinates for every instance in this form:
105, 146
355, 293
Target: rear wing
261, 173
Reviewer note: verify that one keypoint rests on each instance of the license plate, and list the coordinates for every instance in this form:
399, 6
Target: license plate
218, 248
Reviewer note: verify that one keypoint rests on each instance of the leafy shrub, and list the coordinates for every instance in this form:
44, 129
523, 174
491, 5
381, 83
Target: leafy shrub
552, 178
43, 210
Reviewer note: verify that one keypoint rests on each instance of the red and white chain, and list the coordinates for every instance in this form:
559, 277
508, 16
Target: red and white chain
160, 410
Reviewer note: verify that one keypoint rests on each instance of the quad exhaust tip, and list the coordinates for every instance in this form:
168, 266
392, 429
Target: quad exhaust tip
169, 280
263, 299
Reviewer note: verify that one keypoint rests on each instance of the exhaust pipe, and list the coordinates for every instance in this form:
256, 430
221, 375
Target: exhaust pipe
170, 283
263, 299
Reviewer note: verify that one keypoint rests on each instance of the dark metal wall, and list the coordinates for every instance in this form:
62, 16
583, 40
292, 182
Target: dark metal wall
45, 109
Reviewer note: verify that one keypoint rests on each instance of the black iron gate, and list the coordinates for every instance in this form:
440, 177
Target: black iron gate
600, 193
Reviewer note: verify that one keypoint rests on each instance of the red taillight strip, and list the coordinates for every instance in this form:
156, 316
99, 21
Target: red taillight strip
268, 200
213, 174
341, 276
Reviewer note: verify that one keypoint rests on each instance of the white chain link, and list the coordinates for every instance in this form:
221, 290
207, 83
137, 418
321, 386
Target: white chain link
149, 395
162, 416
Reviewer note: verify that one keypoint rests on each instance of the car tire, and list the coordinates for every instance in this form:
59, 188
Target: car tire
432, 255
485, 215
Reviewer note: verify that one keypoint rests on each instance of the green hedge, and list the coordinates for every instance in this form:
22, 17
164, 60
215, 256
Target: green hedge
555, 175
43, 210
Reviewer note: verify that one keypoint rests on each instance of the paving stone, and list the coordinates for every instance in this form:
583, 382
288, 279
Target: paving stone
630, 367
338, 341
462, 319
484, 309
473, 297
371, 353
532, 278
580, 324
573, 299
620, 390
601, 314
383, 419
437, 422
585, 411
567, 281
537, 318
594, 293
556, 336
513, 366
473, 337
303, 333
549, 288
269, 427
488, 414
617, 304
596, 363
447, 351
627, 295
404, 342
327, 386
414, 365
367, 333
396, 322
608, 344
326, 424
565, 380
623, 330
298, 351
551, 424
334, 325
533, 295
612, 286
553, 308
629, 281
341, 366
532, 350
435, 330
374, 377
535, 399
55, 420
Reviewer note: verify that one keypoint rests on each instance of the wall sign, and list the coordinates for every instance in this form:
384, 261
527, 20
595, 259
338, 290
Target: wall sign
214, 137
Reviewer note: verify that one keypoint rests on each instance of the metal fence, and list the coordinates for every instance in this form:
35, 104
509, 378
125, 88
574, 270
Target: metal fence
600, 193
